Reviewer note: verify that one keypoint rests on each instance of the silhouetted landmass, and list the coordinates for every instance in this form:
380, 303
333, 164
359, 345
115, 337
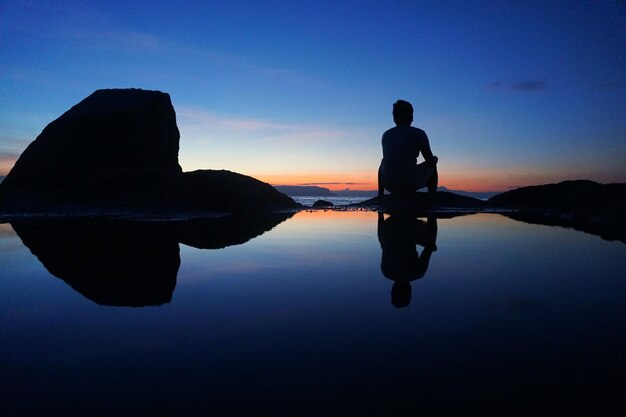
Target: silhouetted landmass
224, 191
585, 205
113, 144
304, 190
594, 208
322, 203
119, 149
424, 202
474, 194
125, 263
373, 193
355, 193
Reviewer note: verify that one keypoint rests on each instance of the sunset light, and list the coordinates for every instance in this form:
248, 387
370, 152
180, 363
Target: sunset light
509, 95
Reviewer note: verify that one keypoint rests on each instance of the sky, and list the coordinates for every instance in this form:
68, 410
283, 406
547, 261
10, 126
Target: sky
510, 93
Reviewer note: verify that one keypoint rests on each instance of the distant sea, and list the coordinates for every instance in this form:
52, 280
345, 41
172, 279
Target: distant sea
308, 201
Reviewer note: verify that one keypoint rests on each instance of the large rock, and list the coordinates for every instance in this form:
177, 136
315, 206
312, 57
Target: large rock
424, 202
224, 191
119, 149
113, 143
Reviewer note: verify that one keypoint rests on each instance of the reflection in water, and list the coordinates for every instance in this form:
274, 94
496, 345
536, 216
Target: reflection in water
228, 231
124, 263
398, 235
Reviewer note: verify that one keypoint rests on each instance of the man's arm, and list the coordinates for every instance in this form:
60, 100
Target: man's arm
425, 149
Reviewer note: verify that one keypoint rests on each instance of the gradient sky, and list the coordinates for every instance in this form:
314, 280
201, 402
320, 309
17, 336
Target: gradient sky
511, 93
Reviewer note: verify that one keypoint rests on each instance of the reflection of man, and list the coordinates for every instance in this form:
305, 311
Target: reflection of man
401, 262
399, 172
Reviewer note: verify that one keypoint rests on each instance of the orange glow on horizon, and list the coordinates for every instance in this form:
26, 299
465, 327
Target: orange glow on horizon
487, 181
334, 182
6, 164
337, 182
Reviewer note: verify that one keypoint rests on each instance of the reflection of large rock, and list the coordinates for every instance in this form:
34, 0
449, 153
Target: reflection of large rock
119, 149
111, 263
112, 143
219, 233
125, 263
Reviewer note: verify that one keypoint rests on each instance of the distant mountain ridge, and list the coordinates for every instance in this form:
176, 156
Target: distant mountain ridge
304, 190
482, 195
315, 191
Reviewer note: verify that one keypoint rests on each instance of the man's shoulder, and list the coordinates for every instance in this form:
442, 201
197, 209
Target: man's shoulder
417, 131
390, 131
411, 131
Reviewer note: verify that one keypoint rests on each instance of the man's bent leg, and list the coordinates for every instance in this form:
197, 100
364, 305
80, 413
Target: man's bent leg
381, 188
433, 182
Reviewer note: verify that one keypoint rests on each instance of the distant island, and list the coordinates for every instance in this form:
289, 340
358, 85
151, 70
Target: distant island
315, 191
305, 191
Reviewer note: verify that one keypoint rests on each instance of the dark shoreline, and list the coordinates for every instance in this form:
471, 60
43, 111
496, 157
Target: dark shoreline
598, 209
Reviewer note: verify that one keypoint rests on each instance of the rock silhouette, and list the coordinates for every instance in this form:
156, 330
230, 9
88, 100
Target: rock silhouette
110, 263
224, 191
422, 202
119, 148
127, 263
112, 143
322, 204
218, 233
305, 190
599, 209
595, 208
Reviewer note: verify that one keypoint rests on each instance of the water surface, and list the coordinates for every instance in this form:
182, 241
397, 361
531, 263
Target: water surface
328, 313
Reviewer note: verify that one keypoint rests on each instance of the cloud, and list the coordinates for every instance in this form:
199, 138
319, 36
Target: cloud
195, 122
106, 39
495, 85
134, 39
533, 85
335, 183
607, 86
520, 86
195, 117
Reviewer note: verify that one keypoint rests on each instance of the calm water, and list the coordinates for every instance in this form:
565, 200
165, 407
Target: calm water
328, 313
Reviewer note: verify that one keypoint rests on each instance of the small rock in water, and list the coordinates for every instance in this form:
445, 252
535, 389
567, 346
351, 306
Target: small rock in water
323, 203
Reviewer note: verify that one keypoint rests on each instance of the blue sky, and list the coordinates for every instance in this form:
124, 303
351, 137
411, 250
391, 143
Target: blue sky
510, 93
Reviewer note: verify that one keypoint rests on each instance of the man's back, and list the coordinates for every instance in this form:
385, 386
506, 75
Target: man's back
402, 146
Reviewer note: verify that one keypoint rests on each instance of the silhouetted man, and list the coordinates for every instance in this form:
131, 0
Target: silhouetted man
399, 171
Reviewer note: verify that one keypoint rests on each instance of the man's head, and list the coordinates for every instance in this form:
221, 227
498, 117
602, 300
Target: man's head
402, 113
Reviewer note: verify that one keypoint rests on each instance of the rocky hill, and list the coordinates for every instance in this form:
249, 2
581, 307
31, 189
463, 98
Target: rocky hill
119, 149
585, 205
